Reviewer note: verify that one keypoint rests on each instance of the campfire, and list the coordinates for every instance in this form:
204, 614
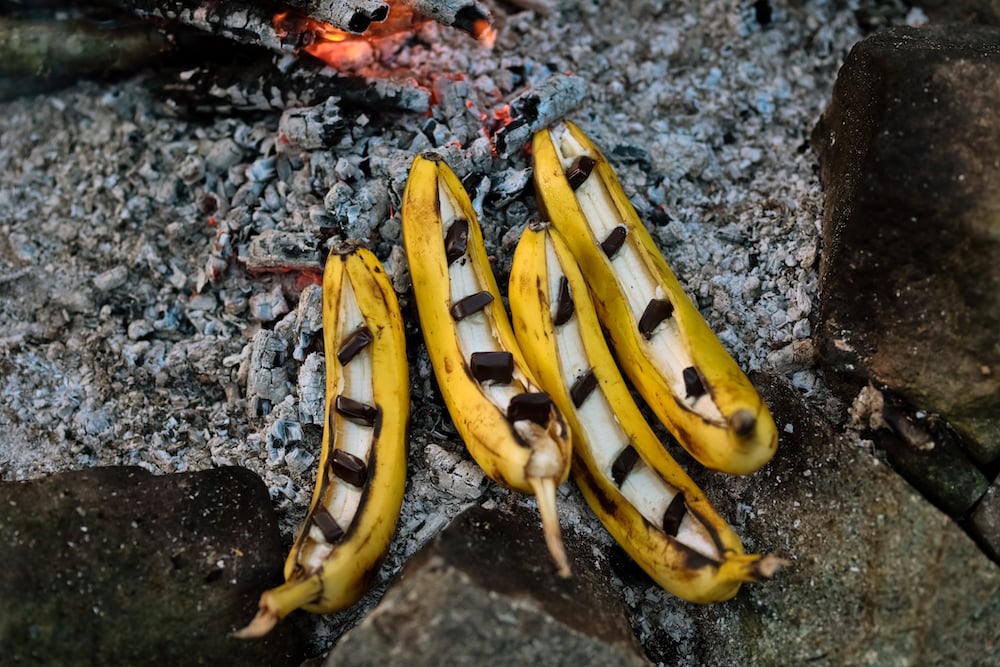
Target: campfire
281, 129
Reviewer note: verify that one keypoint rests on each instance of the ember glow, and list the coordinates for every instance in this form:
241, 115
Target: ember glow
337, 47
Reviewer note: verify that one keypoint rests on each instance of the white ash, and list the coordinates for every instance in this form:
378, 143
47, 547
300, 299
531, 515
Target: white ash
703, 113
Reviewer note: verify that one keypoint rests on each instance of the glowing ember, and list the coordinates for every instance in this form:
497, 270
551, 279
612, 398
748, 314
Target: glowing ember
337, 47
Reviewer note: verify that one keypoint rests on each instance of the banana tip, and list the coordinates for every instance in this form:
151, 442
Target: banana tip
769, 565
260, 625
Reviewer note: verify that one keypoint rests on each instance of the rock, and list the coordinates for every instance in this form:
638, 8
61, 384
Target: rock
895, 581
922, 449
910, 278
978, 11
985, 521
484, 591
116, 566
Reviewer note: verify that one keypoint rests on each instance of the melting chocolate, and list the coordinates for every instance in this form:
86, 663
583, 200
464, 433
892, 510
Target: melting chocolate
674, 514
656, 311
615, 241
582, 387
578, 172
353, 344
327, 525
492, 366
535, 406
456, 241
356, 411
564, 307
692, 383
470, 305
623, 464
348, 467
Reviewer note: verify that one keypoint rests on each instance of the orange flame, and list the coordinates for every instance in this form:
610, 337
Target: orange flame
336, 47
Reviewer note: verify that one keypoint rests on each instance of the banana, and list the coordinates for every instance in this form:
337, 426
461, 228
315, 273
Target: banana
660, 339
509, 425
359, 490
644, 499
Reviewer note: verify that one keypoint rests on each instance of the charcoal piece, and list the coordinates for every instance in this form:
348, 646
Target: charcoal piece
327, 525
674, 514
348, 467
534, 406
492, 367
583, 387
541, 106
456, 241
471, 304
578, 172
656, 311
564, 306
356, 411
623, 464
693, 385
353, 344
614, 242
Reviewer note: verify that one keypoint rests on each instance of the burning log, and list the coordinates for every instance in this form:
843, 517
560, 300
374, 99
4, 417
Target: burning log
467, 15
352, 16
537, 108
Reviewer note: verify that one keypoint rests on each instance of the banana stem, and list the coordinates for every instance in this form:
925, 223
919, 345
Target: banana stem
545, 492
278, 602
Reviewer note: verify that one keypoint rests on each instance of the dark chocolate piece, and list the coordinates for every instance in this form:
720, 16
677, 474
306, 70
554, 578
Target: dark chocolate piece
656, 311
471, 304
674, 514
582, 387
327, 525
353, 344
492, 366
578, 172
356, 411
564, 307
615, 240
536, 406
692, 383
348, 467
623, 465
456, 241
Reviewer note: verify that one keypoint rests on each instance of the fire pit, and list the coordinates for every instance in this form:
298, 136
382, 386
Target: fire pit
162, 235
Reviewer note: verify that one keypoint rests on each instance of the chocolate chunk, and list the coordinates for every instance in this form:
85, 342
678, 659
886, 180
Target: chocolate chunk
456, 241
327, 525
692, 383
348, 467
578, 172
356, 411
564, 307
471, 304
353, 344
623, 465
615, 240
582, 388
656, 311
492, 366
674, 514
536, 406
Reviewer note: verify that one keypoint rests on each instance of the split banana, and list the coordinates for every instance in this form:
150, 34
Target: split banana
660, 339
359, 490
510, 426
644, 499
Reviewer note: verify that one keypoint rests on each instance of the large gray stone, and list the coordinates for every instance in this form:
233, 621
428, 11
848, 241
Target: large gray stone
878, 575
115, 566
484, 591
910, 273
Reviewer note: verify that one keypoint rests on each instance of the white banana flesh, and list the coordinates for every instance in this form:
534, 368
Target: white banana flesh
362, 469
663, 344
509, 425
642, 496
